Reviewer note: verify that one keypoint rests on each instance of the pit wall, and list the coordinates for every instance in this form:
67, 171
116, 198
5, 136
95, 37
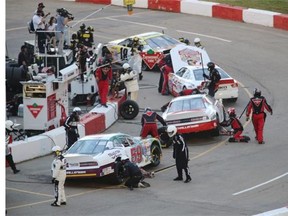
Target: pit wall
210, 9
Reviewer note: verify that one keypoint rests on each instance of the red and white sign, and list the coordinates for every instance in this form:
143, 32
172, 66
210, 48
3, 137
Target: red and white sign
151, 59
35, 109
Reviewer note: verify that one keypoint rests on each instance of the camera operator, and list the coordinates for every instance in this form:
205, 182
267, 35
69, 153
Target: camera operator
63, 17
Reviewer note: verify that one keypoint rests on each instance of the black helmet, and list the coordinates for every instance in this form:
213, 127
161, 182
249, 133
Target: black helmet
210, 65
90, 28
74, 36
83, 26
257, 92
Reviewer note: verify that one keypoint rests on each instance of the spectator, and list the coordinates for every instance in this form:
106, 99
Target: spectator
50, 28
39, 26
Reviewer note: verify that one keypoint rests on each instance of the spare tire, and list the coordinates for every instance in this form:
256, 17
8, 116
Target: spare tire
129, 109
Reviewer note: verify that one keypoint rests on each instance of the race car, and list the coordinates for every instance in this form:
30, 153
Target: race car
156, 41
191, 77
195, 113
95, 155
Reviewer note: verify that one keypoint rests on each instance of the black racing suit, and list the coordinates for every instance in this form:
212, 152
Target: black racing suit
71, 129
214, 77
134, 174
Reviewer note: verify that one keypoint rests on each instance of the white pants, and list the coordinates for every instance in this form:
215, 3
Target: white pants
59, 192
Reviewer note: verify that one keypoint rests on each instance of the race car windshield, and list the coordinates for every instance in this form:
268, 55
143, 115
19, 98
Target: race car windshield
161, 42
198, 74
186, 105
88, 147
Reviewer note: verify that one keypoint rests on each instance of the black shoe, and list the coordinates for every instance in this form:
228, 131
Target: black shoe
55, 204
178, 179
63, 203
188, 179
131, 188
16, 171
105, 105
140, 76
262, 142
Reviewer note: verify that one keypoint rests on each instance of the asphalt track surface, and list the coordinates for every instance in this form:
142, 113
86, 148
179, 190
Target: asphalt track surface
227, 178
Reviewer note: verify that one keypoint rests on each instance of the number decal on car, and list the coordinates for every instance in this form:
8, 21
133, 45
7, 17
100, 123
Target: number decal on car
136, 154
123, 53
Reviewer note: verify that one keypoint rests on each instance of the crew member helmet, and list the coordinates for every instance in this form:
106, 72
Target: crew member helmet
197, 40
135, 39
9, 125
257, 92
171, 130
83, 26
90, 28
231, 112
74, 36
126, 66
77, 110
210, 65
56, 148
148, 109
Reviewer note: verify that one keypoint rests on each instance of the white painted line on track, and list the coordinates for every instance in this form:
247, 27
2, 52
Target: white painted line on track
276, 212
203, 35
137, 23
259, 185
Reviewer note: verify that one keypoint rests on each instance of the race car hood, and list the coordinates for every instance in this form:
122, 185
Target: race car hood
183, 55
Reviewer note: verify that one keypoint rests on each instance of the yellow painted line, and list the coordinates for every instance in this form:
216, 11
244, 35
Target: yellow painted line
51, 200
81, 175
29, 192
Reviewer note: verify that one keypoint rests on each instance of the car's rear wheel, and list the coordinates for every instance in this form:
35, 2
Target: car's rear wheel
118, 176
129, 109
155, 155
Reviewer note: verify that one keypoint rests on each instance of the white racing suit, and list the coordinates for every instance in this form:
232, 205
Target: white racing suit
59, 173
131, 83
135, 62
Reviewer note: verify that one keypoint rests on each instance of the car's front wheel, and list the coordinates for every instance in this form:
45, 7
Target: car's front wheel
118, 176
155, 155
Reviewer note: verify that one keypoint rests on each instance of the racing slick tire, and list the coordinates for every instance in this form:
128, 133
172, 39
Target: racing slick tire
129, 109
155, 154
118, 176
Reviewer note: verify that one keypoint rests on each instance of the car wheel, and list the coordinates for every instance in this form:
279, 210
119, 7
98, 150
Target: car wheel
129, 109
155, 155
118, 175
216, 131
233, 100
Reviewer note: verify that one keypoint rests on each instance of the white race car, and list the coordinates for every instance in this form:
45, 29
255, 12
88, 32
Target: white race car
95, 155
195, 113
191, 77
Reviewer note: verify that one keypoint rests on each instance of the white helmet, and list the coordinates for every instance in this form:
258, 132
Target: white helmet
197, 40
126, 66
9, 125
56, 148
77, 109
171, 130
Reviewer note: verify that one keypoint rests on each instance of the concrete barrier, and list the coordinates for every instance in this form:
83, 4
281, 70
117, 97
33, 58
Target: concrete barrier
197, 7
281, 21
227, 12
259, 17
165, 5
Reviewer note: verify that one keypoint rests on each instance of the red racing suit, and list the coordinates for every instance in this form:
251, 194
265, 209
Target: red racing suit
237, 127
149, 124
257, 105
103, 80
166, 69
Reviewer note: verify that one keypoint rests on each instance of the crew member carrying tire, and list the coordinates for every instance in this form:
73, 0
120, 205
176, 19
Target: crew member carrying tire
149, 123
